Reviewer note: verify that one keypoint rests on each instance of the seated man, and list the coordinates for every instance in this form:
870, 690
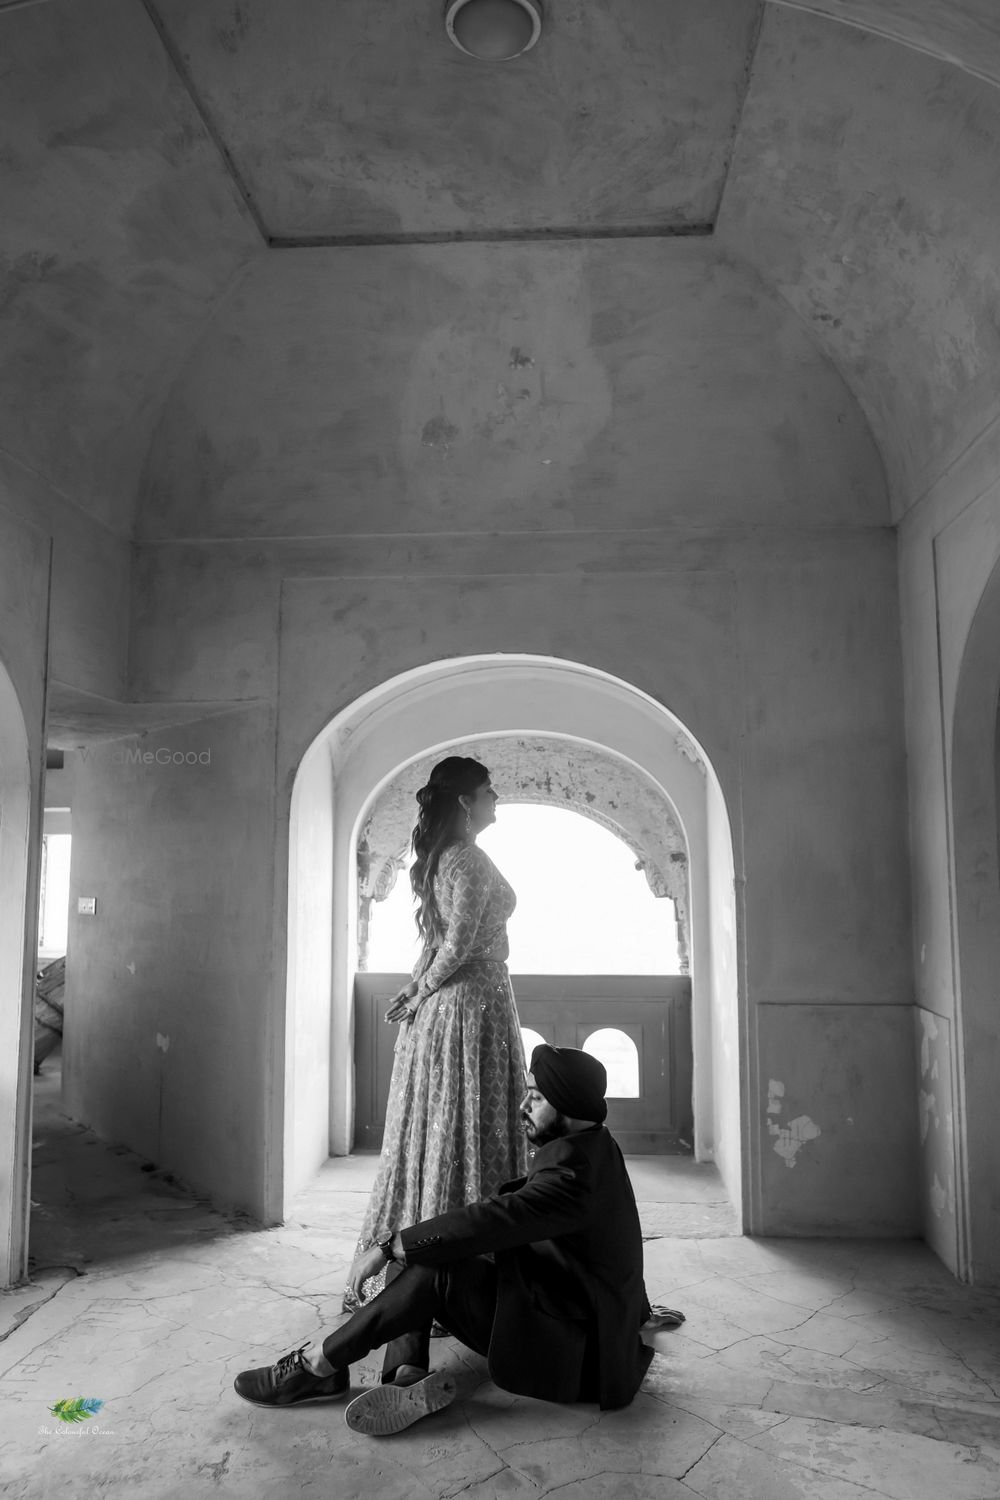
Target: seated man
557, 1309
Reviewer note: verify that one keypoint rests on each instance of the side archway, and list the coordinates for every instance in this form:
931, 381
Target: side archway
975, 797
433, 708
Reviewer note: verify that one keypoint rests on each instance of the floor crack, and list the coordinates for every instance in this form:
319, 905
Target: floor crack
478, 1479
698, 1460
29, 1312
963, 1361
486, 1444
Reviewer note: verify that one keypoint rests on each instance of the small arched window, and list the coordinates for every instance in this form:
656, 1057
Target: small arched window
620, 1056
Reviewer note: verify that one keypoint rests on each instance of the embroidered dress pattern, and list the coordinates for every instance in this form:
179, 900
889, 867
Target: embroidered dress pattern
452, 1125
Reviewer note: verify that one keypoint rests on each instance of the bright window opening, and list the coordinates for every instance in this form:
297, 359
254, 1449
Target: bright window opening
620, 1056
54, 893
531, 1040
582, 906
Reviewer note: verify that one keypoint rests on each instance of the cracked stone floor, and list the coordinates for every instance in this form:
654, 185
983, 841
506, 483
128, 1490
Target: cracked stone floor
819, 1370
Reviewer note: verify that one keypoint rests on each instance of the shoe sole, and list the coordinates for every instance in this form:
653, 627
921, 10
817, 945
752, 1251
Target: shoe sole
387, 1409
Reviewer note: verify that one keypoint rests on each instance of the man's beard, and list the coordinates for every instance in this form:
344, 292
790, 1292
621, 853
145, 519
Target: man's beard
540, 1137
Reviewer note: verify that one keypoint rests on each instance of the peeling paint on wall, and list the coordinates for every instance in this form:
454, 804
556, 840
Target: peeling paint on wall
789, 1139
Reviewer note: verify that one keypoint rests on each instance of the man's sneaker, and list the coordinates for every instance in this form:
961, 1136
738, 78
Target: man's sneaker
290, 1383
385, 1409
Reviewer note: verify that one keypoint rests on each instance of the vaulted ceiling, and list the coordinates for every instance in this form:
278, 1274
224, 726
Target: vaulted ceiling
160, 160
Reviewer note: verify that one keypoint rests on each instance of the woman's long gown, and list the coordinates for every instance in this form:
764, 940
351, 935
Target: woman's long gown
452, 1125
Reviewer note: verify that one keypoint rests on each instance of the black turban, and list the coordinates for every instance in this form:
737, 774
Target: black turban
572, 1081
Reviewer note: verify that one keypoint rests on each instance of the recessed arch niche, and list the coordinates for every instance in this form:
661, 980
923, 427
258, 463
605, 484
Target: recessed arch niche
413, 717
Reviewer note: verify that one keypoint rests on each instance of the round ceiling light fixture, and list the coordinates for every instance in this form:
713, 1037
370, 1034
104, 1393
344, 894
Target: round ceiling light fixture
493, 30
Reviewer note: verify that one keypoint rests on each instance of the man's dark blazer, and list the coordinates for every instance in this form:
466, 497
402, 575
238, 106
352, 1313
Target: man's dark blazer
568, 1253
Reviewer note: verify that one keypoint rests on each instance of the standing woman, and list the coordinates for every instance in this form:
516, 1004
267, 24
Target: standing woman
452, 1125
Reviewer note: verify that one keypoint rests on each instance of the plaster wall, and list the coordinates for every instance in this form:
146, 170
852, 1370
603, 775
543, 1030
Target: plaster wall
714, 921
307, 1085
827, 906
25, 564
949, 547
823, 843
86, 630
58, 792
169, 986
64, 595
779, 651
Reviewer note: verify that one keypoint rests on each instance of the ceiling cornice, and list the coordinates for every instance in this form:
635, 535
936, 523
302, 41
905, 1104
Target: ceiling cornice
965, 33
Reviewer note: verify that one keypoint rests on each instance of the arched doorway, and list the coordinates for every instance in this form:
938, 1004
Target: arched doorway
16, 976
975, 806
414, 715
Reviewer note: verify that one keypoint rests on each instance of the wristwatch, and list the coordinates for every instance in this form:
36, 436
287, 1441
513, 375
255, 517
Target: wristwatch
386, 1249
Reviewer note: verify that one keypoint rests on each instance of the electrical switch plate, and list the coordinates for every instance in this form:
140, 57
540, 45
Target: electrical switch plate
86, 906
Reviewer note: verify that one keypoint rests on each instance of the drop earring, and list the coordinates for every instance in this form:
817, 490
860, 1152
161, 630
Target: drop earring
468, 824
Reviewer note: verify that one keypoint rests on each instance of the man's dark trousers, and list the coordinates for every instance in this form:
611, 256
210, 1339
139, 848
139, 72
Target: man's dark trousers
461, 1297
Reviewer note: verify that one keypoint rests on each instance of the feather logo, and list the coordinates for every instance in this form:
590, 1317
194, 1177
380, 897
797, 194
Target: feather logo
77, 1409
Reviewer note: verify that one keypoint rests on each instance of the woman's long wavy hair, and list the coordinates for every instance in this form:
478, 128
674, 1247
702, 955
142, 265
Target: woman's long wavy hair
437, 827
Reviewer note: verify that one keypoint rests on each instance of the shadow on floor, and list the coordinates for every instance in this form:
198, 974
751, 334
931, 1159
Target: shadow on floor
92, 1203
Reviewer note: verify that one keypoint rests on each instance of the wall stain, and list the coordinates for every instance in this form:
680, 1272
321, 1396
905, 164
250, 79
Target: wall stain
439, 433
230, 37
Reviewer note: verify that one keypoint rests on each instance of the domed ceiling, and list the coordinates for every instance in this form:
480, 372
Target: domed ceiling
157, 155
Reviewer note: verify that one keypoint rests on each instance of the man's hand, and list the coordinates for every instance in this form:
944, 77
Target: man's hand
366, 1265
